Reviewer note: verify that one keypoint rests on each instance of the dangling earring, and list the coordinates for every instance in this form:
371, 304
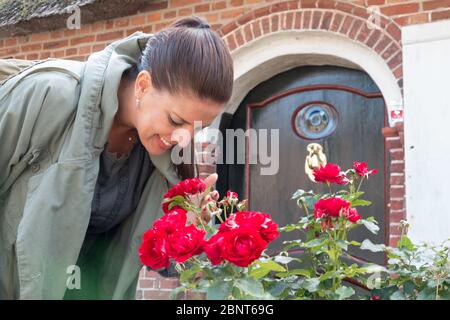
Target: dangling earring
138, 102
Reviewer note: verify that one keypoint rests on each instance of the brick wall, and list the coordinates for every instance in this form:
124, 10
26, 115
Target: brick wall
239, 22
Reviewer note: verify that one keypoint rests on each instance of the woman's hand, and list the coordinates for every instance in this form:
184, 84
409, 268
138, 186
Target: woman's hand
210, 181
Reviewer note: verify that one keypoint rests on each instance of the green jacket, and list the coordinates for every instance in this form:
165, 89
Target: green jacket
54, 122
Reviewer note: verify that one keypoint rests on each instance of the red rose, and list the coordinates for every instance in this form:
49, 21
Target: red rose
213, 248
352, 215
331, 173
183, 188
188, 186
330, 207
152, 252
172, 221
185, 243
362, 170
242, 246
258, 221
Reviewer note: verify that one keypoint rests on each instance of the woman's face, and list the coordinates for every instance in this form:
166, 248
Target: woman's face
162, 116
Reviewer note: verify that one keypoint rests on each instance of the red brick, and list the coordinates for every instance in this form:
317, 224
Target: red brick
137, 20
262, 12
32, 56
219, 5
40, 37
239, 38
437, 4
226, 29
397, 216
256, 29
183, 3
398, 72
326, 4
397, 192
265, 23
364, 33
361, 12
396, 60
397, 154
397, 180
202, 8
56, 44
236, 3
110, 36
71, 51
345, 27
298, 20
316, 17
326, 21
147, 283
394, 31
309, 3
154, 17
373, 38
307, 19
393, 143
442, 15
290, 20
32, 47
399, 9
248, 33
168, 283
345, 7
275, 23
277, 7
375, 2
11, 42
382, 44
156, 295
85, 39
231, 42
397, 204
336, 23
245, 18
355, 29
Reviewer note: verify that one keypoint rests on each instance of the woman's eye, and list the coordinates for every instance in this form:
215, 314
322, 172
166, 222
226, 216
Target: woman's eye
172, 122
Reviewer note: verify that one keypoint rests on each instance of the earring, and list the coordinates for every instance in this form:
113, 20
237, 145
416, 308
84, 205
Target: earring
138, 102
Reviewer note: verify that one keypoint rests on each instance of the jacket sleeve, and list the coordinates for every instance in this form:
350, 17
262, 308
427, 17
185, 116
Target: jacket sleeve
33, 115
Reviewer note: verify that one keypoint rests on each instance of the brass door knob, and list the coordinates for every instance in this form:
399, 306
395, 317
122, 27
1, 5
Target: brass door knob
314, 159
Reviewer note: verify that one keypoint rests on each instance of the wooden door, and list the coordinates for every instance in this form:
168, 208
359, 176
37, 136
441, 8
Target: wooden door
342, 110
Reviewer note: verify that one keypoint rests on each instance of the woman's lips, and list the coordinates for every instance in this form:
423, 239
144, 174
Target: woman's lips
163, 143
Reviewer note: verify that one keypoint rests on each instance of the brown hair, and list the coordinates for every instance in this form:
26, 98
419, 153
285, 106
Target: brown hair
189, 55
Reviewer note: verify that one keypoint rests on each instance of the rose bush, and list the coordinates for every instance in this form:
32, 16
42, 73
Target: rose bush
211, 258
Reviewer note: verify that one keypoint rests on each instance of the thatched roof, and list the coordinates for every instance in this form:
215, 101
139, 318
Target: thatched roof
20, 17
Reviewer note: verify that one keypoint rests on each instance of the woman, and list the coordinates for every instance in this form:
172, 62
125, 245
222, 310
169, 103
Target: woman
85, 157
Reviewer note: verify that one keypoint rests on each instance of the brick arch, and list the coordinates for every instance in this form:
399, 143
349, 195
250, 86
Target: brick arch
345, 19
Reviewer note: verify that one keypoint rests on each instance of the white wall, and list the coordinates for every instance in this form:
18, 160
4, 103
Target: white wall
426, 50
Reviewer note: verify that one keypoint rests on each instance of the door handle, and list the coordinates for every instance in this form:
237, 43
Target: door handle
314, 159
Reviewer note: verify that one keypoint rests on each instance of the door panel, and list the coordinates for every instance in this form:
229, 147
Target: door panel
360, 115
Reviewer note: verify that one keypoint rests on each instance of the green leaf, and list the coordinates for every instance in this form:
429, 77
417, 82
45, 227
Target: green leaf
405, 242
285, 259
218, 290
342, 244
344, 292
360, 203
312, 285
250, 286
368, 245
295, 272
398, 295
370, 225
427, 294
315, 243
259, 273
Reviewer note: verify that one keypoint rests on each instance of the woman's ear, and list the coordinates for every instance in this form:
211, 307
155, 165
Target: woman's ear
142, 84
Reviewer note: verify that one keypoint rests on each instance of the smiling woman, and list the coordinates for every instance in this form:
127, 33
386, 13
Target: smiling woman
85, 165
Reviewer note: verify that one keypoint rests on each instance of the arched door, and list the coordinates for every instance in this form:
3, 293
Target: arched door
341, 109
